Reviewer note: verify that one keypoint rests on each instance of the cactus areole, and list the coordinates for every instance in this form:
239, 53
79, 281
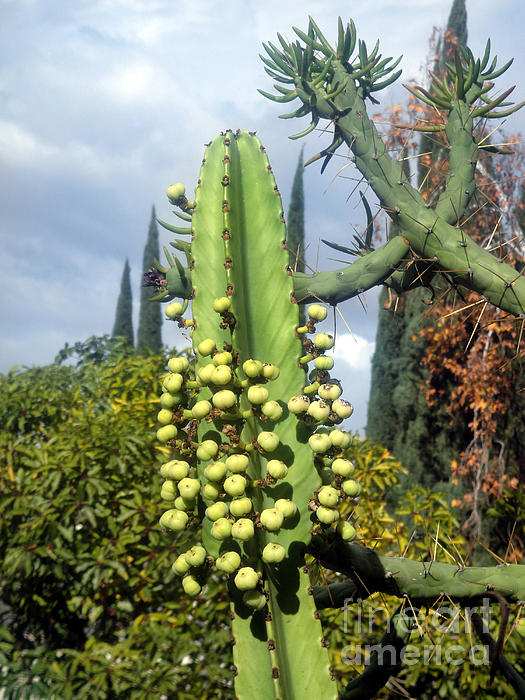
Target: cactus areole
254, 449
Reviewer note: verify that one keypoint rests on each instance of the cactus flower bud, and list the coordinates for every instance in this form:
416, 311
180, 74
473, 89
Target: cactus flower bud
323, 363
323, 341
228, 562
224, 399
272, 519
329, 391
169, 400
222, 358
257, 394
347, 531
351, 487
221, 529
216, 471
196, 556
272, 410
189, 488
252, 368
216, 511
168, 490
178, 364
243, 529
286, 506
173, 382
270, 371
343, 467
240, 507
340, 438
211, 491
235, 485
319, 443
237, 463
328, 496
246, 578
184, 503
268, 441
205, 374
254, 599
201, 409
175, 469
164, 416
191, 585
317, 312
221, 375
173, 310
273, 553
180, 566
207, 450
342, 408
206, 347
221, 304
327, 515
173, 520
276, 469
319, 410
175, 192
167, 432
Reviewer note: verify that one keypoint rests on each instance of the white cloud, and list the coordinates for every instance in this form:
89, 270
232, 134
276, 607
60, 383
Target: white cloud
354, 350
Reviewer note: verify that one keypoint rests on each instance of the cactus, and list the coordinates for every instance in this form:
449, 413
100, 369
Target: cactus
255, 454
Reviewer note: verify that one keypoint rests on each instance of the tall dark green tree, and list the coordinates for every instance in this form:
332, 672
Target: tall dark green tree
149, 334
398, 416
123, 326
295, 225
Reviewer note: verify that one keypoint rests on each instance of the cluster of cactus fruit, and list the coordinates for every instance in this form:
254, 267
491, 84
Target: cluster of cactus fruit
233, 471
258, 460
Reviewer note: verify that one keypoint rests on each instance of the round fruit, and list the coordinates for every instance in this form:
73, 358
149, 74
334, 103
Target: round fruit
240, 507
319, 410
191, 585
246, 578
178, 364
167, 432
184, 503
216, 471
201, 409
319, 443
173, 382
328, 496
168, 490
273, 553
164, 417
329, 392
196, 556
169, 400
272, 410
257, 394
206, 347
176, 469
173, 310
173, 520
272, 519
237, 463
211, 491
243, 529
207, 450
252, 368
175, 192
340, 438
323, 362
235, 485
343, 467
254, 599
351, 487
342, 408
205, 374
327, 515
268, 441
224, 399
286, 506
189, 488
298, 404
347, 531
228, 562
216, 511
180, 566
221, 529
221, 375
323, 341
270, 371
222, 358
276, 469
317, 312
221, 304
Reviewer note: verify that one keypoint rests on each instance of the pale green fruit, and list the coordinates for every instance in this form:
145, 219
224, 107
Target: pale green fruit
168, 400
329, 392
222, 375
237, 463
235, 485
173, 519
328, 496
319, 443
222, 358
319, 410
201, 409
254, 599
520, 627
228, 562
178, 364
196, 556
221, 304
168, 490
343, 467
191, 585
243, 529
164, 417
286, 507
323, 341
216, 511
342, 408
175, 192
211, 491
276, 469
224, 399
270, 371
317, 312
351, 487
324, 363
216, 471
240, 507
347, 531
268, 441
272, 519
184, 503
252, 368
205, 374
189, 488
176, 469
173, 382
272, 410
273, 553
257, 394
327, 515
340, 438
167, 432
207, 450
298, 404
173, 310
221, 529
206, 347
180, 566
246, 578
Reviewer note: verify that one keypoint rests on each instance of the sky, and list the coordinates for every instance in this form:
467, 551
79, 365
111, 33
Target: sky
104, 103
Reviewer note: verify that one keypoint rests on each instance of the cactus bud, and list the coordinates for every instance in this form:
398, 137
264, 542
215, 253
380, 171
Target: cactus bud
180, 566
273, 553
201, 409
221, 304
272, 519
329, 391
169, 400
323, 341
206, 347
319, 443
173, 520
175, 192
222, 358
175, 469
328, 496
298, 404
317, 312
173, 310
167, 432
240, 507
243, 529
235, 485
254, 599
224, 399
205, 374
286, 506
207, 450
347, 531
168, 490
221, 375
268, 441
340, 438
324, 363
191, 585
211, 491
276, 469
237, 463
270, 371
173, 382
216, 471
246, 578
189, 488
221, 529
216, 511
228, 562
257, 394
252, 368
327, 515
319, 410
343, 467
272, 410
342, 408
351, 487
184, 503
178, 364
164, 417
196, 556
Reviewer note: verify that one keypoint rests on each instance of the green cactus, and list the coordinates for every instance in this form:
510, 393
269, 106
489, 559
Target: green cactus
252, 444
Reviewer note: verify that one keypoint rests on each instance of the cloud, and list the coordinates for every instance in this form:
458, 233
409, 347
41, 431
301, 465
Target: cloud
354, 350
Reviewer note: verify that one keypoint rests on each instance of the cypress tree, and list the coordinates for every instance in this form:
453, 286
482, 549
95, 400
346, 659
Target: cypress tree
149, 334
295, 219
123, 325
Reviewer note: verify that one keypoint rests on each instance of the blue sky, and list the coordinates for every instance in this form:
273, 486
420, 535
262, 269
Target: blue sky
104, 103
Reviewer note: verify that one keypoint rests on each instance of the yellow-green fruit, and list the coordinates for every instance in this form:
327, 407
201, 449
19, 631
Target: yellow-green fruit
319, 410
175, 469
254, 599
351, 487
222, 358
167, 432
272, 519
252, 368
216, 511
224, 399
180, 566
205, 374
228, 562
207, 450
178, 364
319, 443
272, 410
328, 496
191, 585
329, 391
175, 192
164, 416
342, 408
196, 556
211, 491
286, 507
347, 531
327, 515
340, 438
206, 347
240, 507
317, 312
168, 490
221, 376
237, 463
168, 400
268, 441
246, 578
201, 409
184, 503
343, 467
324, 363
216, 471
173, 310
270, 371
298, 404
173, 382
221, 304
235, 485
243, 529
173, 520
276, 469
273, 553
189, 488
257, 394
221, 529
323, 341
520, 627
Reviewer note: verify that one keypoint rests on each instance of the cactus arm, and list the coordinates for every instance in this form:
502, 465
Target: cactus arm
253, 668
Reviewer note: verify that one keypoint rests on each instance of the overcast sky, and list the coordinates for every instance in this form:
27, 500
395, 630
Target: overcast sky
104, 103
